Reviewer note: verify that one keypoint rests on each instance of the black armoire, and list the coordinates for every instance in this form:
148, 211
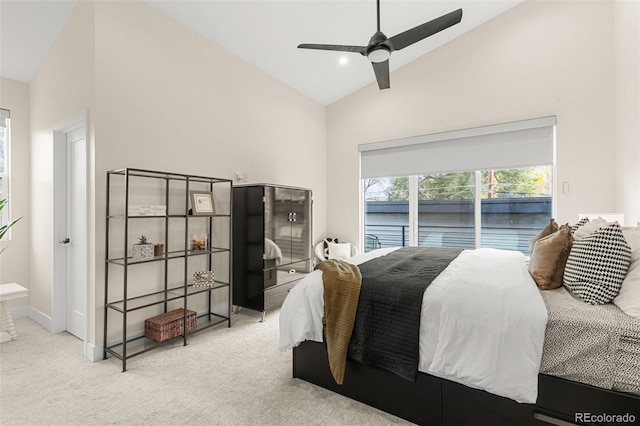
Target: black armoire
272, 247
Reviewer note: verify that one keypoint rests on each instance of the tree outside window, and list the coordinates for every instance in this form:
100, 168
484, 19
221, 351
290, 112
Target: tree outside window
446, 212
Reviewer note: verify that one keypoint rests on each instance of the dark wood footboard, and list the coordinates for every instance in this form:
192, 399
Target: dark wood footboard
434, 401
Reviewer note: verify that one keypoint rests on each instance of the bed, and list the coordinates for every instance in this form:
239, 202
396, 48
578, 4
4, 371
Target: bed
486, 374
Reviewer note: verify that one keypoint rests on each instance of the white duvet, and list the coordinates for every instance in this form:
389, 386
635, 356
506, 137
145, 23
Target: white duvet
482, 322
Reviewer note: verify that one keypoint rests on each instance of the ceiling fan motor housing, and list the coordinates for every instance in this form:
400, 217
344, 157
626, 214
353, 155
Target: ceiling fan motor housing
377, 50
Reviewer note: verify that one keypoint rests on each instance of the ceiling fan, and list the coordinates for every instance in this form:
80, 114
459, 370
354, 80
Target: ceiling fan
380, 47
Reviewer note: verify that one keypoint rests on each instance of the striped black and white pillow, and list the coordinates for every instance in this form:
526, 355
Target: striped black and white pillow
597, 265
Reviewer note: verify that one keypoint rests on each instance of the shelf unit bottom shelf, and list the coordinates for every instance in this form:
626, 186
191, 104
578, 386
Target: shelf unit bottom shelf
142, 344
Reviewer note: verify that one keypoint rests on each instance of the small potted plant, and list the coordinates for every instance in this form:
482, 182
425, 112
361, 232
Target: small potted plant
143, 250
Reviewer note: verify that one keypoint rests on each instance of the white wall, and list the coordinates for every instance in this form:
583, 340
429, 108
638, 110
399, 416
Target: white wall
537, 59
168, 99
627, 62
61, 88
163, 98
14, 261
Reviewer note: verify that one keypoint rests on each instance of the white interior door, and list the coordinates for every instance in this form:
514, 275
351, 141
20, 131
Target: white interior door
70, 231
75, 241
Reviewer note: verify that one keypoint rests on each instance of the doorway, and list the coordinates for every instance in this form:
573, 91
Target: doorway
70, 228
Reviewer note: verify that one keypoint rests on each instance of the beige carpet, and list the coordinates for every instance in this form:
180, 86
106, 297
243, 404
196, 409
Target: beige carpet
224, 376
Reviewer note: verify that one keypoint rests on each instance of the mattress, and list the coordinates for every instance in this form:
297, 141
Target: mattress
594, 344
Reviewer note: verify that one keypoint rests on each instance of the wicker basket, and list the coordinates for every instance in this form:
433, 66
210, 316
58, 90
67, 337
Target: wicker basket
169, 325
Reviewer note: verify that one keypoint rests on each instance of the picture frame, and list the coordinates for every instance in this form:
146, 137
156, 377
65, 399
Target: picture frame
202, 203
203, 279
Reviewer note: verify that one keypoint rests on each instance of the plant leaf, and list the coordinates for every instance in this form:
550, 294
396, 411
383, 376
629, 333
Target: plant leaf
5, 228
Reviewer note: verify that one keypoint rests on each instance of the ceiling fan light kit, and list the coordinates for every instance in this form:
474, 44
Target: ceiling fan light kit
380, 47
379, 55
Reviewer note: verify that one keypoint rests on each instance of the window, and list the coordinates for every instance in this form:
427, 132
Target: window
446, 210
4, 165
515, 205
386, 212
482, 187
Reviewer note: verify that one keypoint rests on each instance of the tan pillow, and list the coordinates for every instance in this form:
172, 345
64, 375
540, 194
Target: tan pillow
562, 259
551, 228
549, 258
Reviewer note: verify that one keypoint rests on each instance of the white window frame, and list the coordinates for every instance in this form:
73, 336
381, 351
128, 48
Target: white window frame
5, 121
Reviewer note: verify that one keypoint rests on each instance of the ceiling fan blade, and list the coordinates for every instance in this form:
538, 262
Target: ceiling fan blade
407, 38
337, 47
381, 69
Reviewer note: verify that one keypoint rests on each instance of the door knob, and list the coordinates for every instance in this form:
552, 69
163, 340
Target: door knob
65, 241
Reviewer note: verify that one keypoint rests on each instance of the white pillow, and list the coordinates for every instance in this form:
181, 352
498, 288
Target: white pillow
590, 227
632, 235
628, 300
339, 251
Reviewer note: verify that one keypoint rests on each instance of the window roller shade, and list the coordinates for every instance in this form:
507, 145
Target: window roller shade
4, 115
504, 146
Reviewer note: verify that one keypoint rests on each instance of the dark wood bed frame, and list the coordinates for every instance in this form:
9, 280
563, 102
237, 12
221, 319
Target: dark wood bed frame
434, 401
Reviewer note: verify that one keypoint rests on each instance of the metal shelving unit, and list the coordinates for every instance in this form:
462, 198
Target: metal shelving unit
126, 187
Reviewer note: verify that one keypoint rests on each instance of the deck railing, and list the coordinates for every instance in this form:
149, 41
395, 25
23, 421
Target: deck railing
506, 223
379, 236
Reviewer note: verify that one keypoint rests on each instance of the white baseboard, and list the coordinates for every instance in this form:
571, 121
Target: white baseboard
40, 318
22, 312
93, 353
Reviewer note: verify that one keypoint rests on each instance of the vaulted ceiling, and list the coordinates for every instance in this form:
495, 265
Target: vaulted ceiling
264, 33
